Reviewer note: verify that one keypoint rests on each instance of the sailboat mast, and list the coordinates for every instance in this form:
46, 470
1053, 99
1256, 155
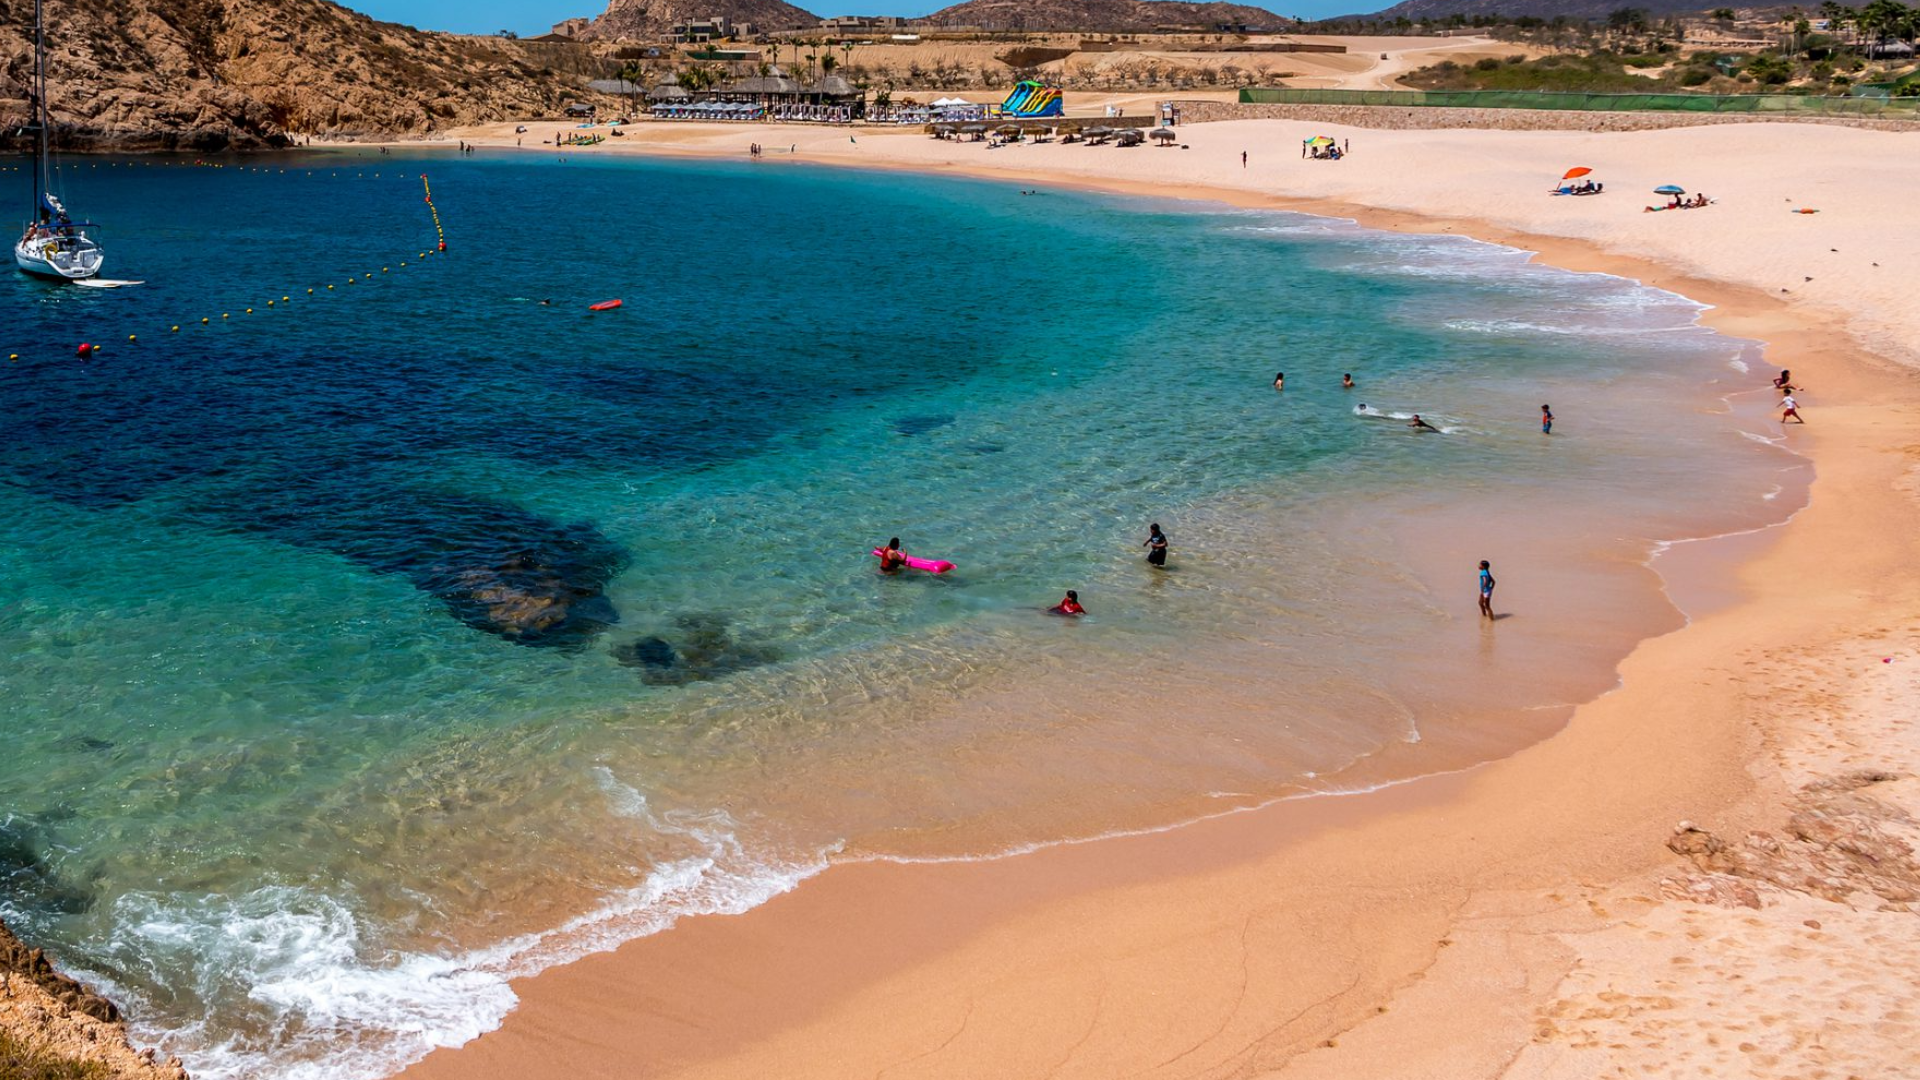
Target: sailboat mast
39, 107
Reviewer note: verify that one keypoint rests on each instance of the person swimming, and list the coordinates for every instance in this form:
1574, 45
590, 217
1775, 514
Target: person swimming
1069, 606
1418, 424
1280, 380
891, 557
1346, 381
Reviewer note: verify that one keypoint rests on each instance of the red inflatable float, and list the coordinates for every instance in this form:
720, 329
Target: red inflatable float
604, 305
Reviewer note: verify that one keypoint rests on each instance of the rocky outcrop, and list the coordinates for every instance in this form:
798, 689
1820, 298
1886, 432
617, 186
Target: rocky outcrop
216, 74
47, 1015
1839, 842
698, 648
653, 20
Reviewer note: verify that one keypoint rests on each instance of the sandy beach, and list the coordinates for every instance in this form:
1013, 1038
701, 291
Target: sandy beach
1708, 871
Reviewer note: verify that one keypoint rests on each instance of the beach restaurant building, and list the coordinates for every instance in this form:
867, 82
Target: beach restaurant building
773, 96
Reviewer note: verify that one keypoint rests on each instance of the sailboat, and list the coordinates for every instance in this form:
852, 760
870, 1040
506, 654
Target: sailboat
53, 244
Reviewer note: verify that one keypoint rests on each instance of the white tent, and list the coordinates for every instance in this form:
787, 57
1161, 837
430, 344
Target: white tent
946, 103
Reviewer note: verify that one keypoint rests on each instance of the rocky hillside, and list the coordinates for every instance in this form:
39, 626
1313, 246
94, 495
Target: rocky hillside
652, 20
1101, 15
210, 74
47, 1018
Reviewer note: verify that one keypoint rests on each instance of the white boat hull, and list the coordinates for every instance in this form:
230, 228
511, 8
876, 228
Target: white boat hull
63, 259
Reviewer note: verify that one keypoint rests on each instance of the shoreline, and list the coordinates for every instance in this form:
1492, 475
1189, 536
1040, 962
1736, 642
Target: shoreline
877, 988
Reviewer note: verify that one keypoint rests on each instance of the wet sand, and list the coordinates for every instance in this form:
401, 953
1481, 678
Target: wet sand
1536, 916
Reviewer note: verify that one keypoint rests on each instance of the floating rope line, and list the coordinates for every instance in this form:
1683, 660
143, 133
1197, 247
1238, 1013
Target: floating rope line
88, 350
428, 188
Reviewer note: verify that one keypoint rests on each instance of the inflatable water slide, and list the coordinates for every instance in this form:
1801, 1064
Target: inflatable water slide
1032, 99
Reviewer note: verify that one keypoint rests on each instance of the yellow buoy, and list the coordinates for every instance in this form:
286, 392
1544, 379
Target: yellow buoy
269, 303
287, 299
175, 330
309, 292
383, 269
329, 288
203, 322
130, 337
13, 356
226, 314
249, 311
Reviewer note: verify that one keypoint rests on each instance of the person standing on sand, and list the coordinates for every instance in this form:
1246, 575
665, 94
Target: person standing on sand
1790, 410
1546, 419
1243, 159
1486, 588
1156, 546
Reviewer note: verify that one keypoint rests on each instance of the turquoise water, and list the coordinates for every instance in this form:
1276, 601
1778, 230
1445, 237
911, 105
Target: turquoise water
286, 780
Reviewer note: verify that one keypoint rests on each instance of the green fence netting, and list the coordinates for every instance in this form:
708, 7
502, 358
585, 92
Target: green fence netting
1777, 104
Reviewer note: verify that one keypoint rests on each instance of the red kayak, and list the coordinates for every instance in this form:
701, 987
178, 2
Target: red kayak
604, 305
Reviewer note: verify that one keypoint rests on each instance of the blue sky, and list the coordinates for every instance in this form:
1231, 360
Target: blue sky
528, 17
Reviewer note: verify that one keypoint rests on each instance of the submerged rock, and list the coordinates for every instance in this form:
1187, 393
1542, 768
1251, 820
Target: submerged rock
497, 567
920, 425
27, 880
703, 648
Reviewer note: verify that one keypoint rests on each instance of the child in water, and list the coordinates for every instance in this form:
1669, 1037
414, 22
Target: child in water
1486, 588
1156, 546
1069, 606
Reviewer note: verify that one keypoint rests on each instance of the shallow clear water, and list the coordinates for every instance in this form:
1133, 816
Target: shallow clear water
282, 780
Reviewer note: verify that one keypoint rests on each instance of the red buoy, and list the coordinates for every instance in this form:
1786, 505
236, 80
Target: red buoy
85, 350
604, 305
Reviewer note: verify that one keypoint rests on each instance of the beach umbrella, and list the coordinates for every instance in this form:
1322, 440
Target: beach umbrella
1576, 173
1319, 140
1164, 134
1669, 189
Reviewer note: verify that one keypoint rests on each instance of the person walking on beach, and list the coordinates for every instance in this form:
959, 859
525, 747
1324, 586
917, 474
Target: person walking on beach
1790, 410
1486, 588
1784, 383
1243, 159
1546, 419
891, 557
1156, 546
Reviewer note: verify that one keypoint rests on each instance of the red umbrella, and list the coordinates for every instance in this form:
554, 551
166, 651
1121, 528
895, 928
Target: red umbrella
1576, 173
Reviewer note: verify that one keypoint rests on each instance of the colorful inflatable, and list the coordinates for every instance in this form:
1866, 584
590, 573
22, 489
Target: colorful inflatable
604, 305
1031, 99
931, 566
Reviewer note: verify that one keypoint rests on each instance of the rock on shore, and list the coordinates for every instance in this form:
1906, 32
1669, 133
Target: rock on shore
45, 1010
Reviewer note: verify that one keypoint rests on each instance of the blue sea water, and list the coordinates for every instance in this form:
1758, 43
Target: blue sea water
282, 780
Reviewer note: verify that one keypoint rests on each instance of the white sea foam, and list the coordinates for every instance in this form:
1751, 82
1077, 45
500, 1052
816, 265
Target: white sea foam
327, 1004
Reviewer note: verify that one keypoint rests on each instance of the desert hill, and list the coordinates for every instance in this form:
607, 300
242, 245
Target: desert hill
651, 20
1102, 15
209, 74
1542, 9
